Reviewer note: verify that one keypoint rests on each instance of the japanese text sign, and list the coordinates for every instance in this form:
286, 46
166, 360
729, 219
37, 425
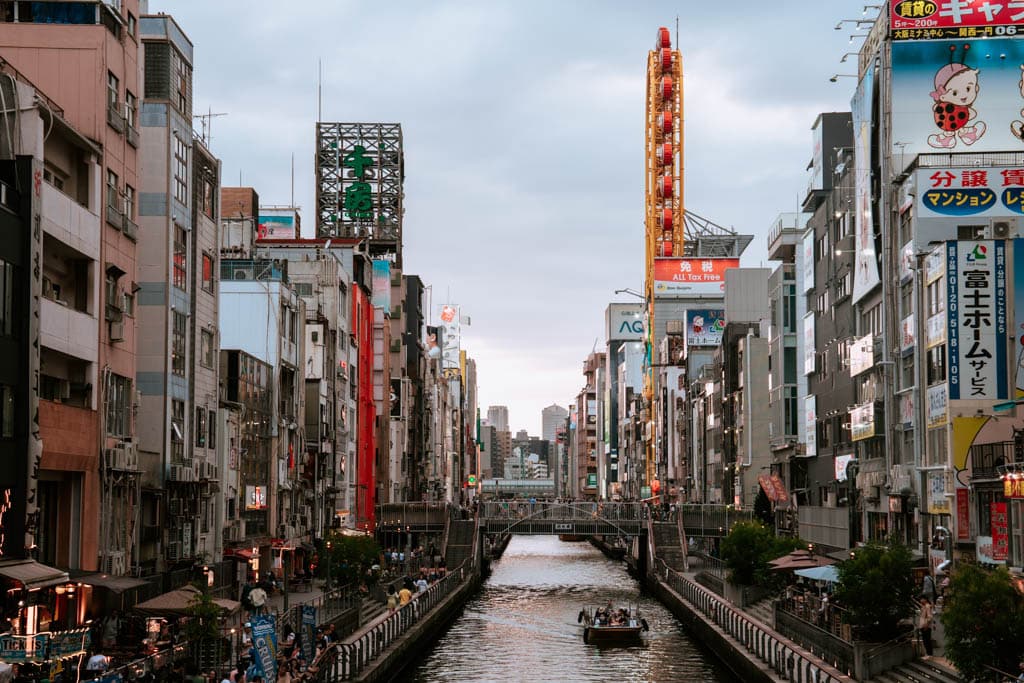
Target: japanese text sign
963, 515
976, 323
936, 19
1000, 533
691, 276
970, 192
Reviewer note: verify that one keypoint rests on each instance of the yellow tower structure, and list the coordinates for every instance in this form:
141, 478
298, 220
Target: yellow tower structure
663, 188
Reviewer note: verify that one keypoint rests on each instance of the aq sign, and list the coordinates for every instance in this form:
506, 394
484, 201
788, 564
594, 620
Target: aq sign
624, 322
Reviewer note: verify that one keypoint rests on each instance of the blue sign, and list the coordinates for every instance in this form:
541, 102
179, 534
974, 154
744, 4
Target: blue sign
309, 632
264, 642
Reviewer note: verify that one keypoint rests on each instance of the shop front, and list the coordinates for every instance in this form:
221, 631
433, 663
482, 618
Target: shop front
43, 614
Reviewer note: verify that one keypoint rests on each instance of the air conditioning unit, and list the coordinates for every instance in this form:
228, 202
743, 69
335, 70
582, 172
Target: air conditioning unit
174, 551
675, 327
210, 471
131, 455
182, 473
113, 458
1001, 229
243, 274
116, 330
233, 533
113, 563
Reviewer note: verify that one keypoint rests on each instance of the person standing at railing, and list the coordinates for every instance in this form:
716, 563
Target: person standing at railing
924, 625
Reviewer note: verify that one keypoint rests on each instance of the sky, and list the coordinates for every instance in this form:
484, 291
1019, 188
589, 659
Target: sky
523, 129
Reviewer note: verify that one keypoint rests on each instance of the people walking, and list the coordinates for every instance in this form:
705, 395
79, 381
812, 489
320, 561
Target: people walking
924, 625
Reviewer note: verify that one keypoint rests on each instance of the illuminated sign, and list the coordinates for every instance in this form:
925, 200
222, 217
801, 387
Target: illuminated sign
691, 276
937, 19
255, 497
1013, 486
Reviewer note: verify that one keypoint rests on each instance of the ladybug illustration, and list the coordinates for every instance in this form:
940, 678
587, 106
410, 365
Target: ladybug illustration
956, 89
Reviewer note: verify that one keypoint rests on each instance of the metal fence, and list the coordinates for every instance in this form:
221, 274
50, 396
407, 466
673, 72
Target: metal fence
413, 515
789, 663
345, 661
712, 520
328, 605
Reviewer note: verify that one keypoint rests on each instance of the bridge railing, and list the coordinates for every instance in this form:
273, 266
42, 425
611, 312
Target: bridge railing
788, 662
412, 514
578, 511
346, 660
699, 520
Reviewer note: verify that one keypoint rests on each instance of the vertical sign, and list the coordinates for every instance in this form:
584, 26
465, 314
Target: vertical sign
452, 325
1000, 536
1018, 313
810, 352
808, 264
811, 425
381, 283
938, 504
264, 642
865, 276
309, 632
963, 515
976, 309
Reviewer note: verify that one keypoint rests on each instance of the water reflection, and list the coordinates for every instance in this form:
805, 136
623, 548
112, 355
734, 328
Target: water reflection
522, 626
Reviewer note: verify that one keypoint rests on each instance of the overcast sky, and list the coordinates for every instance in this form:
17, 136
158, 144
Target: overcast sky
523, 124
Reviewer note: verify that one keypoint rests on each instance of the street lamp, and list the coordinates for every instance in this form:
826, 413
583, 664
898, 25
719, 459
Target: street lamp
627, 290
836, 77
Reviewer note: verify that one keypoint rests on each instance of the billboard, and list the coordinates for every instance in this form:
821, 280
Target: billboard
938, 401
862, 355
983, 192
810, 353
1018, 314
451, 324
691, 276
704, 327
957, 96
937, 19
976, 323
808, 261
862, 422
277, 227
624, 322
381, 282
811, 425
865, 275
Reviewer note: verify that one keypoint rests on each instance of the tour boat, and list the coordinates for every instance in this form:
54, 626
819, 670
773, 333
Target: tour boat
571, 538
598, 629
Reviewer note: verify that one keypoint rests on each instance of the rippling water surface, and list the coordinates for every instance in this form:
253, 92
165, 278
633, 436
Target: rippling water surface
522, 625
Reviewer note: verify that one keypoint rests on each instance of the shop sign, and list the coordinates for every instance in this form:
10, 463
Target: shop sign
1013, 487
23, 648
938, 400
255, 497
907, 410
936, 332
989, 192
1000, 532
309, 632
963, 515
591, 480
908, 333
808, 264
862, 355
704, 327
896, 504
865, 275
907, 261
985, 550
976, 307
811, 425
809, 351
691, 276
938, 504
862, 422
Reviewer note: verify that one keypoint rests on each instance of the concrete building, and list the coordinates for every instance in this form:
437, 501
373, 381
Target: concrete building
551, 419
498, 417
84, 64
584, 463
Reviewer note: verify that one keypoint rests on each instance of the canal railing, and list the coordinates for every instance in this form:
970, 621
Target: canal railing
412, 516
712, 520
348, 659
788, 662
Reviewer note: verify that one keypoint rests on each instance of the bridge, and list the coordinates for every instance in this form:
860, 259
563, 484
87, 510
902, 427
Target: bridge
572, 518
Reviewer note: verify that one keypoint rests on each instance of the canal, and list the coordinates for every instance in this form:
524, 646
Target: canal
522, 625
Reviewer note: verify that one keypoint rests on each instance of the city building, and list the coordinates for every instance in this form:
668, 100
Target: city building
498, 417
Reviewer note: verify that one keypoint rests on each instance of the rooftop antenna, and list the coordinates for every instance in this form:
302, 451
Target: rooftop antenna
677, 33
293, 180
319, 89
206, 120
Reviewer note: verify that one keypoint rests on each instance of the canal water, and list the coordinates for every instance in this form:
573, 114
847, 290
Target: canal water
522, 625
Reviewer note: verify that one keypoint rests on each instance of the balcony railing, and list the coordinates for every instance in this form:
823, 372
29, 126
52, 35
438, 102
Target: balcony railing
132, 134
131, 229
114, 117
986, 459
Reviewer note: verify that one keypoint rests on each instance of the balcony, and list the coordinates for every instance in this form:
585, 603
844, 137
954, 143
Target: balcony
70, 222
114, 216
71, 332
114, 118
130, 229
132, 135
987, 460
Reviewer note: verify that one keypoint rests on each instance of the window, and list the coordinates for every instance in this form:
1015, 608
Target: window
132, 25
937, 297
871, 320
118, 409
8, 297
129, 305
181, 78
211, 422
207, 272
178, 345
936, 364
206, 348
129, 202
791, 411
200, 428
180, 170
207, 199
303, 288
130, 103
180, 257
177, 431
54, 176
113, 88
6, 411
112, 193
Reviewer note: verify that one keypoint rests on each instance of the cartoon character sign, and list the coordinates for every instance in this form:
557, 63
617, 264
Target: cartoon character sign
1017, 127
956, 89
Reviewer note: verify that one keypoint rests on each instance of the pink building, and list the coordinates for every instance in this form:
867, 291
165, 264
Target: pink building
85, 58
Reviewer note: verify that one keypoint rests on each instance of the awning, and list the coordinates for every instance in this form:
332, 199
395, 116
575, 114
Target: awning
115, 584
32, 574
177, 602
239, 553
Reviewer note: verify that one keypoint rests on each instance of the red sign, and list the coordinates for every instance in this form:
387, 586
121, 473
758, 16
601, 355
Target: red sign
773, 487
963, 516
937, 19
689, 276
1000, 537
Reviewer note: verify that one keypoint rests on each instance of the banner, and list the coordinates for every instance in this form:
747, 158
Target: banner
938, 402
381, 282
1018, 315
976, 326
810, 352
691, 276
309, 632
808, 261
451, 323
865, 276
1000, 533
811, 425
264, 643
862, 355
938, 504
963, 515
704, 327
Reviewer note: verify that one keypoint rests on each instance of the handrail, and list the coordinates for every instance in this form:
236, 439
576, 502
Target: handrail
1007, 678
346, 660
786, 661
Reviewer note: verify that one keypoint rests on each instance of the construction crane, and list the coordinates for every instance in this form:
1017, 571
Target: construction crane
664, 232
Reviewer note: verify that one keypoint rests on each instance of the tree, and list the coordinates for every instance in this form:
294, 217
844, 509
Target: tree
877, 590
203, 629
984, 621
763, 508
748, 549
348, 556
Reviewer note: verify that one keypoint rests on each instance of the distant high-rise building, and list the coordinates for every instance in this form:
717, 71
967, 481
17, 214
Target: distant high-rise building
523, 435
551, 417
498, 417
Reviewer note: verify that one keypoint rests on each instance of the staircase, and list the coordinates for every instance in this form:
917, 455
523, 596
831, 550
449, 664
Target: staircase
919, 671
460, 542
667, 544
370, 609
762, 611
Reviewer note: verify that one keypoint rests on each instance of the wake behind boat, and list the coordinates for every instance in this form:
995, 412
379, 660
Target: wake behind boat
607, 625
